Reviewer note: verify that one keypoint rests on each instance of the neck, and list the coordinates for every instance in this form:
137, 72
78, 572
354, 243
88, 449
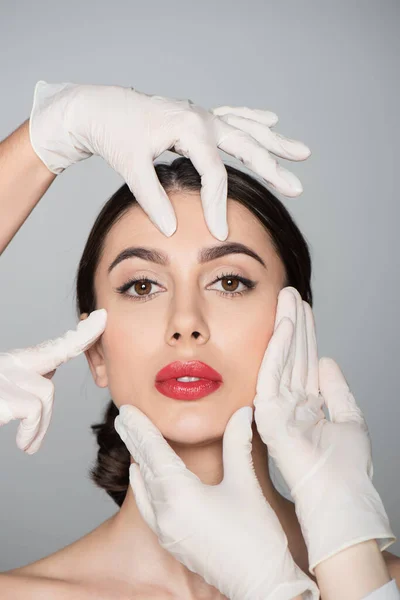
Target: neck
134, 546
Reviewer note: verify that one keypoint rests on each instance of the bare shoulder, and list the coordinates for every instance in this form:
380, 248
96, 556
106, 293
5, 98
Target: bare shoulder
40, 588
53, 567
52, 578
18, 586
55, 576
69, 563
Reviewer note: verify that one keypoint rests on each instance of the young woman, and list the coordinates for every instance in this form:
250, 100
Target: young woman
205, 305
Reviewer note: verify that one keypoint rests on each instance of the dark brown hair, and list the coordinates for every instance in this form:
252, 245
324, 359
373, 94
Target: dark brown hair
111, 470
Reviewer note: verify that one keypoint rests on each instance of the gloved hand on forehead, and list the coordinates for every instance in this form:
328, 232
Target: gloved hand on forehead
70, 122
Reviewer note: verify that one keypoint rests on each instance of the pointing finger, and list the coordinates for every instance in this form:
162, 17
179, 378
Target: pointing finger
49, 355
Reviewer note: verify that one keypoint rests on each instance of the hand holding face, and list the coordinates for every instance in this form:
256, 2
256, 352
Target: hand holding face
227, 533
327, 465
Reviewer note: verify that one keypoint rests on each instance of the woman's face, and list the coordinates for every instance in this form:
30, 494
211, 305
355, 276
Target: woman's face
153, 325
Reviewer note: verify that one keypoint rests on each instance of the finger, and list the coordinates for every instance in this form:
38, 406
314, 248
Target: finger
6, 414
151, 196
265, 117
244, 147
286, 307
49, 355
337, 395
142, 497
43, 389
214, 184
312, 383
272, 141
146, 444
300, 365
35, 419
274, 361
16, 403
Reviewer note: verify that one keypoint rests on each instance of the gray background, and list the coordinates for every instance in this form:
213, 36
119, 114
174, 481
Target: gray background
330, 71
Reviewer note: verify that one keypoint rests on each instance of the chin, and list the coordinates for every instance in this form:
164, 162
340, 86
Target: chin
192, 430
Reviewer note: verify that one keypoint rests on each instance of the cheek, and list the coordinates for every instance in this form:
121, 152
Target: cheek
128, 345
243, 341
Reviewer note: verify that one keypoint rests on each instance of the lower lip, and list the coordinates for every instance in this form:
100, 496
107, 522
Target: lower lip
190, 390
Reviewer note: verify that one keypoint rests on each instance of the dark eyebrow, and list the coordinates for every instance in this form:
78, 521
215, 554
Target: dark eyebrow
205, 254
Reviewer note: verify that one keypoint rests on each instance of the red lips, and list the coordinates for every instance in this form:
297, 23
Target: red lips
193, 368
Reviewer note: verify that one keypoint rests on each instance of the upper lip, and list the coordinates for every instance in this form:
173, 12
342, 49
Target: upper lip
192, 368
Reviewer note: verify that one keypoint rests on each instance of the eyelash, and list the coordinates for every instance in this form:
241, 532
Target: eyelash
250, 285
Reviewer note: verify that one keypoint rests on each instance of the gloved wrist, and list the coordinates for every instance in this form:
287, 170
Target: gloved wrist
51, 126
279, 579
259, 568
335, 516
290, 581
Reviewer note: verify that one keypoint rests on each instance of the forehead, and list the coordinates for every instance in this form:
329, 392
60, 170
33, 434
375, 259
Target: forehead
192, 233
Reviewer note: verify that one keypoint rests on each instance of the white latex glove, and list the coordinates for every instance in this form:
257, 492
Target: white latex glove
70, 122
26, 391
327, 465
226, 533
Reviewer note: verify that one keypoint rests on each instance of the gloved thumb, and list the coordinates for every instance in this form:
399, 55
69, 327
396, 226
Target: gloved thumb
237, 447
338, 398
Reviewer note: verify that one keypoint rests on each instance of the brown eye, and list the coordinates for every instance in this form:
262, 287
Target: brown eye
230, 286
142, 286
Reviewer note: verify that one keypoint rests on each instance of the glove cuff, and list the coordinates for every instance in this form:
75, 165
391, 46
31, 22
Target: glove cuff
335, 520
48, 129
289, 581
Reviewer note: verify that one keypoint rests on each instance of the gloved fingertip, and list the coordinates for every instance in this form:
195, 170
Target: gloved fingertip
221, 232
169, 228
